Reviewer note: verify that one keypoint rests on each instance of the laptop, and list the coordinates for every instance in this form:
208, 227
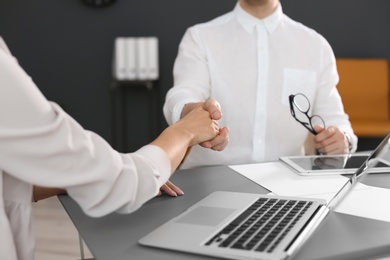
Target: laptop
235, 225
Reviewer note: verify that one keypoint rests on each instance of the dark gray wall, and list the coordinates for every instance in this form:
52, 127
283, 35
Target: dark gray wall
354, 28
67, 47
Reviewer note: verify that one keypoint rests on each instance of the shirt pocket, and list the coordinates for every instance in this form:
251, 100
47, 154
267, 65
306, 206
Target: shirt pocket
298, 81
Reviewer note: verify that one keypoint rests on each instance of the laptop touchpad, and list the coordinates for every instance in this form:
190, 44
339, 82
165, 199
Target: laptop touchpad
207, 216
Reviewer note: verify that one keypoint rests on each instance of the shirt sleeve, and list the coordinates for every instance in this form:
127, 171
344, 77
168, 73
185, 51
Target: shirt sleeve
42, 145
328, 102
191, 76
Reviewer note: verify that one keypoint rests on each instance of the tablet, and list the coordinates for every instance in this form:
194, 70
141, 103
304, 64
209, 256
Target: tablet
331, 164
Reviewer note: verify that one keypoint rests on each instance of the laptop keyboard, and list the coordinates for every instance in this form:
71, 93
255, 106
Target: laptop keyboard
262, 226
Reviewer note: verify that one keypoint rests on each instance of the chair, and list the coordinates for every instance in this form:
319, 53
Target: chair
364, 89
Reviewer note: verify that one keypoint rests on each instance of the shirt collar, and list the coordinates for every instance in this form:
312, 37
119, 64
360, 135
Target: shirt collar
249, 22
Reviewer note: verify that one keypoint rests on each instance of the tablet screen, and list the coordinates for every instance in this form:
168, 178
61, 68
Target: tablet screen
330, 163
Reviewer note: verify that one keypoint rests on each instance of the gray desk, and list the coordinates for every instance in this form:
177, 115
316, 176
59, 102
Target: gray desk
115, 236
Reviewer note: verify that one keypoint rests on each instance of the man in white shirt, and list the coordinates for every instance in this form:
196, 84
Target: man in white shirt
251, 60
42, 145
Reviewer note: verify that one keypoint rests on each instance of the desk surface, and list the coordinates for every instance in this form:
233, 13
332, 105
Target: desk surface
115, 236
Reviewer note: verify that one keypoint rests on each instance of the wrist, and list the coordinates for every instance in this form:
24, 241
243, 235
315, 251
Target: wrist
188, 107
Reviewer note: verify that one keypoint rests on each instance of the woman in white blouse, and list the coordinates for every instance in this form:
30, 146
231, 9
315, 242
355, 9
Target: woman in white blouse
42, 145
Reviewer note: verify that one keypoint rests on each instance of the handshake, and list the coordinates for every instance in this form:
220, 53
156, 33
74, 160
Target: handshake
221, 140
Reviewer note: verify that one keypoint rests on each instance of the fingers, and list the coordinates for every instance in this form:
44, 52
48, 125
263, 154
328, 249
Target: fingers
170, 189
333, 148
206, 144
214, 108
330, 141
175, 188
318, 129
218, 143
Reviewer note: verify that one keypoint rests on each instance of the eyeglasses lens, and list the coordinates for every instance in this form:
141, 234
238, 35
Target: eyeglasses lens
316, 120
302, 103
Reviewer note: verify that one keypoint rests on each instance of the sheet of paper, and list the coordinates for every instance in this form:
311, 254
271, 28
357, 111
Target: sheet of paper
369, 202
281, 180
363, 200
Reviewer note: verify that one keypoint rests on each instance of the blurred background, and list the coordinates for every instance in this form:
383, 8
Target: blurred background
67, 48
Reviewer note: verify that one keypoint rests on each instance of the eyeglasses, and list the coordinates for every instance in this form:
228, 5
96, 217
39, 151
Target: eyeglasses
301, 104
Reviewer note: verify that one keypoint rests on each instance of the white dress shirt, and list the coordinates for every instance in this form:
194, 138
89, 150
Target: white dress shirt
42, 145
251, 66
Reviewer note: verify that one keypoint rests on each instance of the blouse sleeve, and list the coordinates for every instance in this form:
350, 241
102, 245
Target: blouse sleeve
42, 145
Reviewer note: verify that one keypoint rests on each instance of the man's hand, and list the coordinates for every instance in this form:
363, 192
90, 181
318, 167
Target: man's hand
213, 107
222, 139
330, 140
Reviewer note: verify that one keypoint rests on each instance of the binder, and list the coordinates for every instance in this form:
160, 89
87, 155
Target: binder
136, 58
142, 68
131, 58
119, 66
152, 58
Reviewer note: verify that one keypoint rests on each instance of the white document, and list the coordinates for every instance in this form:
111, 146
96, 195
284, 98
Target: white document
367, 201
363, 201
119, 61
281, 180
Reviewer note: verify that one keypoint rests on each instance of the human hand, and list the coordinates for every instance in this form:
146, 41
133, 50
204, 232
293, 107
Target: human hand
210, 105
330, 140
199, 124
194, 128
222, 139
213, 107
219, 142
170, 189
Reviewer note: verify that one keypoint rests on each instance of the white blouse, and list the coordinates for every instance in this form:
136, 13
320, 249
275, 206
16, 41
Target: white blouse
251, 66
42, 145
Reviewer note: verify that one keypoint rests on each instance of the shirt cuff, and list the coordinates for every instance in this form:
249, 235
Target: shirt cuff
159, 160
